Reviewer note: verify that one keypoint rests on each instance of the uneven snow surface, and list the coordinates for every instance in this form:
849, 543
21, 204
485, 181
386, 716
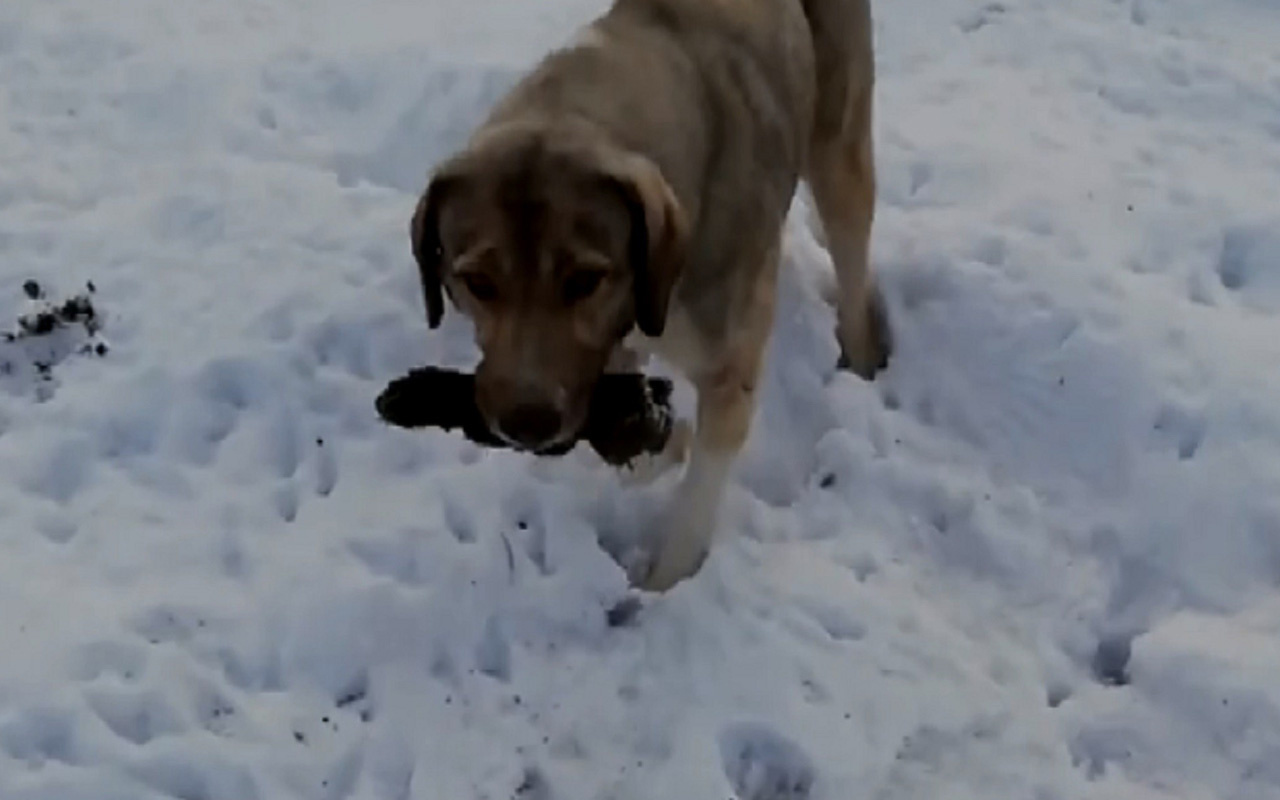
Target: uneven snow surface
1037, 559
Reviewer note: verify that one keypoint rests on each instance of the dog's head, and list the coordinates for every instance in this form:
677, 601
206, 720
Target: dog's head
556, 245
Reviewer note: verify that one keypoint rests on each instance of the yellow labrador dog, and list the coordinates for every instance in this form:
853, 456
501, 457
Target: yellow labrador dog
628, 196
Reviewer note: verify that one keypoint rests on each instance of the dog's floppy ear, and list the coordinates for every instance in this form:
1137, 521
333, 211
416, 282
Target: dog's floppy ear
424, 232
659, 234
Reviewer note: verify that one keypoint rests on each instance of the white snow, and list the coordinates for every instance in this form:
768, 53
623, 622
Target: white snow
1037, 559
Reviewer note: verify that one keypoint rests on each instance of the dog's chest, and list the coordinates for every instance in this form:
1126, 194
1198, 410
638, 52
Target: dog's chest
681, 344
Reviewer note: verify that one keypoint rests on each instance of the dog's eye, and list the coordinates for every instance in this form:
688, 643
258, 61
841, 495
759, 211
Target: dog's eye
582, 284
481, 286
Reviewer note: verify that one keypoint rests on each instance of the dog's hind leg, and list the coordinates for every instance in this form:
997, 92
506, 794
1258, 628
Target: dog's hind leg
842, 181
841, 174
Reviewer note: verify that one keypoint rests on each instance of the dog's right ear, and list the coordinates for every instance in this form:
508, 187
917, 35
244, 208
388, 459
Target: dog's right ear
424, 232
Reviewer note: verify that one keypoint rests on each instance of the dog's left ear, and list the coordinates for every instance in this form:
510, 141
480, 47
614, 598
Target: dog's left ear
659, 235
424, 233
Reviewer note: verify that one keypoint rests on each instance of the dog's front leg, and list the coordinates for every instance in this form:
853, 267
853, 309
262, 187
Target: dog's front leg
726, 403
726, 389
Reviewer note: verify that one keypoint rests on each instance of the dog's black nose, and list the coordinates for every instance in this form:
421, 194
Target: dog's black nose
530, 424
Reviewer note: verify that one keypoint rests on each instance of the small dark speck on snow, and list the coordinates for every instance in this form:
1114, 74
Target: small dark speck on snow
623, 613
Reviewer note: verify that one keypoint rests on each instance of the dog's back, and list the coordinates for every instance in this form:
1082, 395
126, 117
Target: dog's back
686, 82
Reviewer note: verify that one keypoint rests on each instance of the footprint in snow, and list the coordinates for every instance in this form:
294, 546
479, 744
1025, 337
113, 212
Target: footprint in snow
288, 496
835, 623
1246, 265
762, 764
40, 735
981, 18
120, 660
1180, 429
286, 502
163, 624
135, 715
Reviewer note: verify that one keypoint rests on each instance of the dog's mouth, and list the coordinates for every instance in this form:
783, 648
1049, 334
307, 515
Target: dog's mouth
556, 446
547, 423
565, 436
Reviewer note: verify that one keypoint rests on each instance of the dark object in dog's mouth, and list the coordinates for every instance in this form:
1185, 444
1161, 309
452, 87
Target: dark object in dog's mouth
630, 415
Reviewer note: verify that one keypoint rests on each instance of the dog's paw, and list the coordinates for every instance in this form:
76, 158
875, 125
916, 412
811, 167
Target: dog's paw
866, 342
664, 573
680, 554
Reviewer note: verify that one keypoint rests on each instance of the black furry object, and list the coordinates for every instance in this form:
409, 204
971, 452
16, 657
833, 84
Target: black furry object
630, 415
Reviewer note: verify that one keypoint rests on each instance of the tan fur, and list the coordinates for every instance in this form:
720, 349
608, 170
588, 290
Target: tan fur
660, 151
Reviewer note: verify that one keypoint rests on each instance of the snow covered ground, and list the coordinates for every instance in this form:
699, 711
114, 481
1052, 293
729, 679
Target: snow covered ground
1038, 559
